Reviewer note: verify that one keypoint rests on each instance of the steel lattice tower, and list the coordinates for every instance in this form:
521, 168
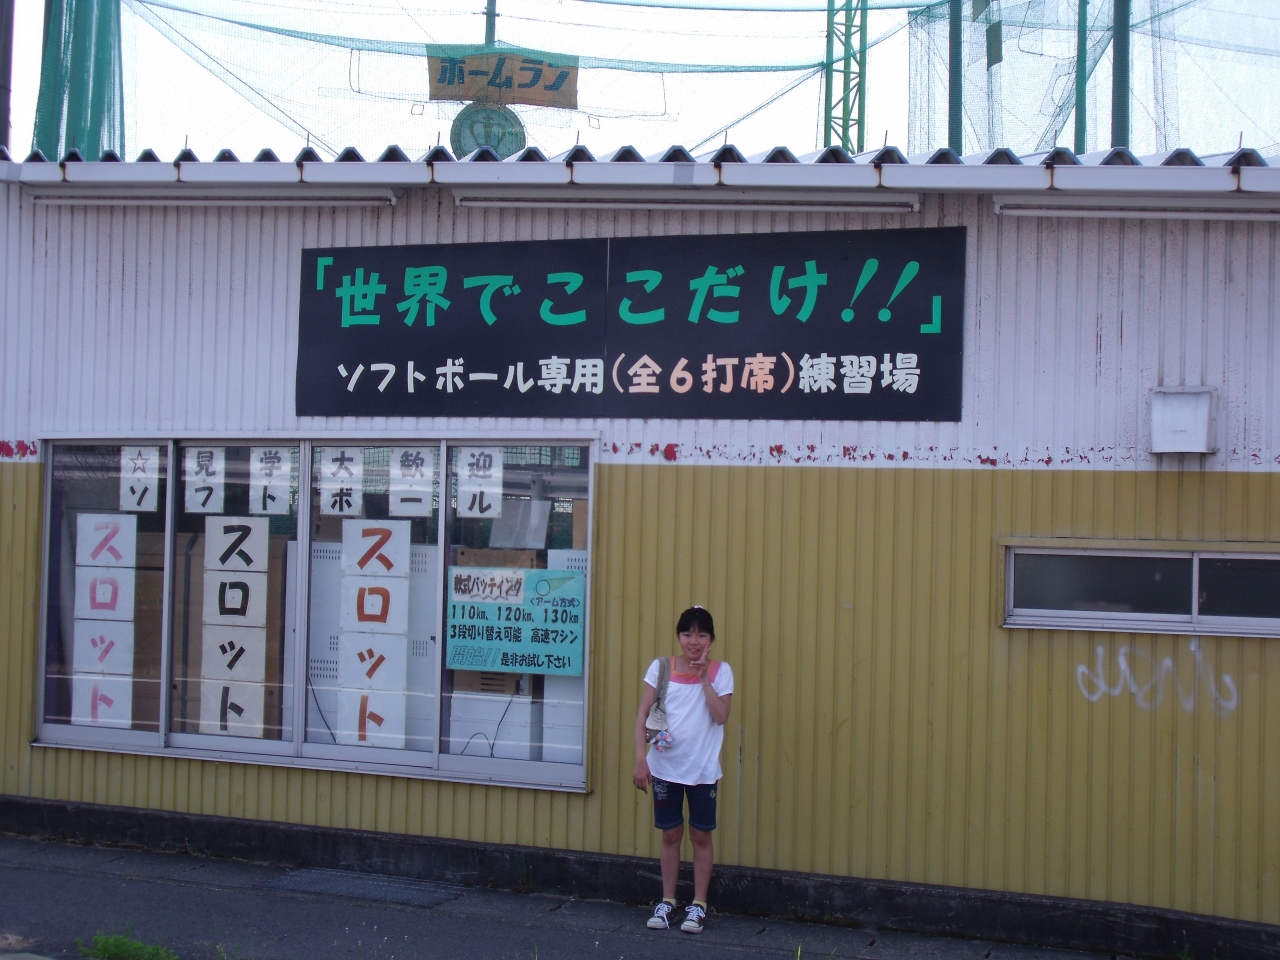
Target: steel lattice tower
845, 77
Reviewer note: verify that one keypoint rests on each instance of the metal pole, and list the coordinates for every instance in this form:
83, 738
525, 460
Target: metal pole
847, 104
1082, 76
6, 68
1120, 75
828, 74
862, 77
955, 85
490, 22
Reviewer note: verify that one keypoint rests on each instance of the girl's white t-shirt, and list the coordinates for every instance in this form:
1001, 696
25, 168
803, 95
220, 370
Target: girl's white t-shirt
694, 757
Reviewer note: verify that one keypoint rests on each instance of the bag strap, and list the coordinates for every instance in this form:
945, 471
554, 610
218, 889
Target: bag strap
664, 677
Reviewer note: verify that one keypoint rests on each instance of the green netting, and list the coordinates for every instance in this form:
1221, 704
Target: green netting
745, 6
341, 74
402, 48
334, 73
81, 101
748, 41
1205, 75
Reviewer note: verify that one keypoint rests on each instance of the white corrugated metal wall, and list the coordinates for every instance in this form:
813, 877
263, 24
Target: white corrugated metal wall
125, 320
12, 261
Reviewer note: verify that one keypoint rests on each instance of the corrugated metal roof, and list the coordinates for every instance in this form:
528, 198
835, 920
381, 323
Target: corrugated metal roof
831, 174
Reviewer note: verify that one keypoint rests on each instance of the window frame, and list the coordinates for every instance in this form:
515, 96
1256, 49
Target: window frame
296, 752
492, 769
65, 734
192, 744
1194, 624
344, 753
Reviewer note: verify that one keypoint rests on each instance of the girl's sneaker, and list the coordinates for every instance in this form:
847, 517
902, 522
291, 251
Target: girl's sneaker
661, 916
694, 916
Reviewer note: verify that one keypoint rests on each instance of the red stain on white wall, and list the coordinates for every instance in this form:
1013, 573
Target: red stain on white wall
18, 450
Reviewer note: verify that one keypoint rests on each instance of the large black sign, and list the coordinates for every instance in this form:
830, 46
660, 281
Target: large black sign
850, 325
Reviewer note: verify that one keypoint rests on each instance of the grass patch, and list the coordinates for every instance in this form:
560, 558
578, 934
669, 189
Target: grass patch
117, 946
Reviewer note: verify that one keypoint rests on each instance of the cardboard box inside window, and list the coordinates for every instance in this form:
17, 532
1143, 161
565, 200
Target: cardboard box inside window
487, 557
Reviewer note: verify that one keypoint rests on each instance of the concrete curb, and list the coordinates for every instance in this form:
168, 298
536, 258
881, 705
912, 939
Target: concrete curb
1090, 925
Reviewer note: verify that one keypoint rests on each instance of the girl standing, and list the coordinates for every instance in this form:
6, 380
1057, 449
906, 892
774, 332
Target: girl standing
682, 760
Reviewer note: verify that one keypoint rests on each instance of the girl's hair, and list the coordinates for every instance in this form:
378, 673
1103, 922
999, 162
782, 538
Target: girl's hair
696, 619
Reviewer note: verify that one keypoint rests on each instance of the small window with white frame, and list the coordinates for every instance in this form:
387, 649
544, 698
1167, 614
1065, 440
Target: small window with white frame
1167, 591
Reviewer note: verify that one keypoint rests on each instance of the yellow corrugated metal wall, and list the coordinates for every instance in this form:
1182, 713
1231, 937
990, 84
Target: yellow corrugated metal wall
884, 725
20, 517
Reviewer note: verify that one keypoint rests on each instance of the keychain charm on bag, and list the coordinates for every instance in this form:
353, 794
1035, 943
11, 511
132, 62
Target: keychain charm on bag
656, 724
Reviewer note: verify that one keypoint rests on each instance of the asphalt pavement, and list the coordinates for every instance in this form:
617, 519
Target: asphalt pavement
53, 894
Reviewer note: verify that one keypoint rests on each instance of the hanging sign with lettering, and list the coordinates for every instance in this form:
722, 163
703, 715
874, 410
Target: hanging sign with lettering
504, 76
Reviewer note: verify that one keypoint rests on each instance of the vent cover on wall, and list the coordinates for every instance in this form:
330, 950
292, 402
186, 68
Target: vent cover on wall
1182, 419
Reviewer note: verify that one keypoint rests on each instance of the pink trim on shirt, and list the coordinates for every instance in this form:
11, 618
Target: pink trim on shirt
693, 677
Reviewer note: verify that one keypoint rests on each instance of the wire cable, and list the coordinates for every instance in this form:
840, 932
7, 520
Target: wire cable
735, 6
315, 696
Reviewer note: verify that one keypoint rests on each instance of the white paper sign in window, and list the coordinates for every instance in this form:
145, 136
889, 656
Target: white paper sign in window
231, 709
234, 636
341, 481
203, 478
412, 476
236, 543
370, 718
371, 661
269, 471
102, 633
374, 605
234, 653
375, 548
139, 478
480, 482
104, 594
373, 623
107, 540
103, 646
101, 700
235, 599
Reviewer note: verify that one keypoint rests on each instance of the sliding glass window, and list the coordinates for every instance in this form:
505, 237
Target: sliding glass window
515, 606
104, 587
371, 663
235, 553
1220, 593
412, 607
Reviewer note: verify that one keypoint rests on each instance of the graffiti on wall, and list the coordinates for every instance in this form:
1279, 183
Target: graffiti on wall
1151, 681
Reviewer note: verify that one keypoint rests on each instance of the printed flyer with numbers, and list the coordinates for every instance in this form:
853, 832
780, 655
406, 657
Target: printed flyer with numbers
515, 621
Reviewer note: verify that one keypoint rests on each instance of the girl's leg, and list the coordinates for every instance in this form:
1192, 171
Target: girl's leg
670, 860
703, 857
